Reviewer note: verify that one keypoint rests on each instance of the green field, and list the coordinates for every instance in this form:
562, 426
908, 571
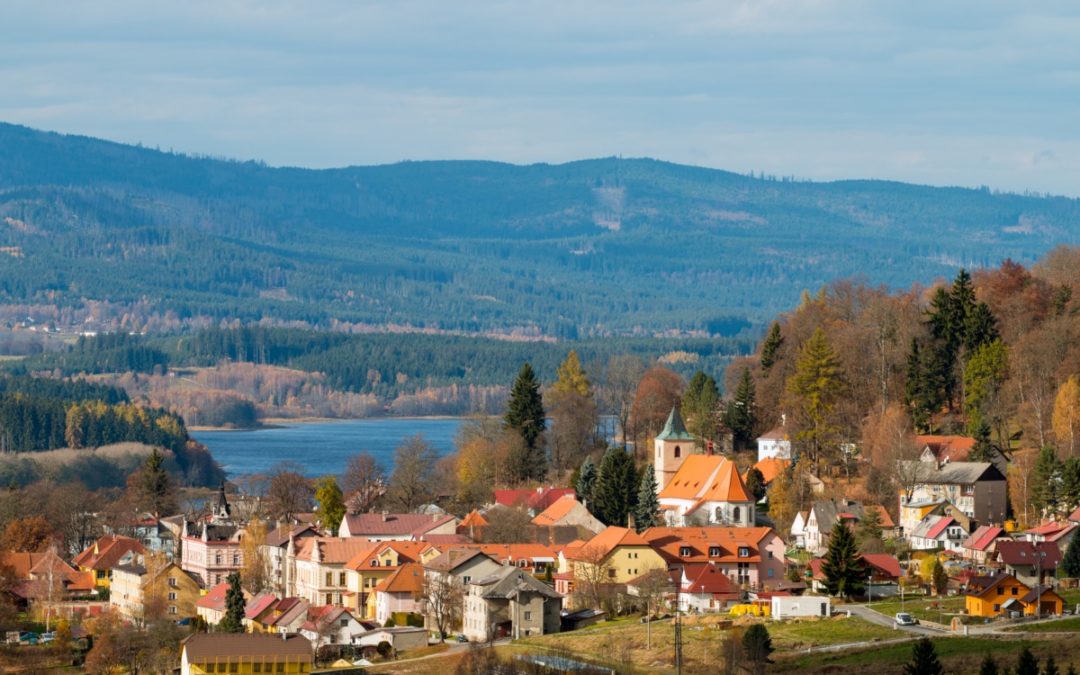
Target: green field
1064, 625
802, 634
937, 610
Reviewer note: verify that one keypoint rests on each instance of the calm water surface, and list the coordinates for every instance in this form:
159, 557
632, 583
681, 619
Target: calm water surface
323, 447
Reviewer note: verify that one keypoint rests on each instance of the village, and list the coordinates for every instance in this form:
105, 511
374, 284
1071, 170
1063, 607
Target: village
384, 587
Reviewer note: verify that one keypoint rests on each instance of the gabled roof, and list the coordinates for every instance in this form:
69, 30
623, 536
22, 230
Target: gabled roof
325, 615
286, 611
960, 473
332, 550
883, 562
473, 519
1039, 592
771, 467
537, 499
605, 542
777, 433
279, 536
106, 552
947, 448
557, 511
700, 542
1025, 553
394, 524
983, 537
1053, 531
450, 560
259, 604
409, 578
208, 647
979, 586
707, 578
509, 582
707, 478
932, 526
21, 562
214, 598
674, 429
407, 551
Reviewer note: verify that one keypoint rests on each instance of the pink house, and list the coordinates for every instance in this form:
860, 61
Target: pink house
401, 592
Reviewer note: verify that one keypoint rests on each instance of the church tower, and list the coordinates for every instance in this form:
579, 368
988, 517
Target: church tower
671, 448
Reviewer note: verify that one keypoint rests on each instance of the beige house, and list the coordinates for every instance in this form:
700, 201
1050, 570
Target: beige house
140, 593
396, 526
568, 512
976, 489
320, 568
510, 603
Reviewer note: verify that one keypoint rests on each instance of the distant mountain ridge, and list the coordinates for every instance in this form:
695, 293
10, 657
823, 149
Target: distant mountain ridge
115, 236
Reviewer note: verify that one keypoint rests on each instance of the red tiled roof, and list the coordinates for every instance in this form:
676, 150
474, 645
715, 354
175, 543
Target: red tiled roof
884, 562
708, 578
473, 519
605, 542
940, 526
21, 562
950, 448
1023, 553
669, 542
770, 467
706, 478
394, 524
332, 550
557, 511
259, 604
214, 598
409, 578
983, 537
538, 499
106, 552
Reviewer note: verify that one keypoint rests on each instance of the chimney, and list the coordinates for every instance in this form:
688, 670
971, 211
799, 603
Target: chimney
384, 516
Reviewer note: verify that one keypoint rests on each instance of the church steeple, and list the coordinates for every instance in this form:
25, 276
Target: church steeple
222, 510
671, 447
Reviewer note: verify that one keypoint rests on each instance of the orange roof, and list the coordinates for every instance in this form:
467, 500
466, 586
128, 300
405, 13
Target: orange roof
724, 542
557, 511
106, 552
409, 578
606, 542
332, 550
215, 597
407, 551
707, 478
21, 562
474, 519
886, 519
770, 467
951, 448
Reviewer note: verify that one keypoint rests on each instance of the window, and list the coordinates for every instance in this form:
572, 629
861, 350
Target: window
714, 551
678, 452
234, 667
736, 514
329, 598
1014, 590
172, 596
744, 551
217, 559
344, 623
770, 555
611, 573
466, 579
770, 573
281, 667
528, 616
374, 562
997, 608
329, 579
256, 667
684, 551
172, 609
1001, 591
236, 559
341, 579
172, 581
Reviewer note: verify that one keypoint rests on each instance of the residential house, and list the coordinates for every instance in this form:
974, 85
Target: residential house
51, 580
615, 556
211, 606
881, 571
329, 625
320, 567
145, 590
977, 489
797, 534
535, 558
366, 569
944, 449
276, 549
456, 568
914, 513
980, 546
472, 525
400, 526
1061, 534
570, 515
707, 490
284, 617
105, 553
704, 587
1043, 601
400, 638
245, 654
990, 596
256, 607
775, 442
748, 556
510, 603
1031, 563
814, 529
400, 593
938, 532
212, 551
534, 501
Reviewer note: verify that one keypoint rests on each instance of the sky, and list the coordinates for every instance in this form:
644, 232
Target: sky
940, 93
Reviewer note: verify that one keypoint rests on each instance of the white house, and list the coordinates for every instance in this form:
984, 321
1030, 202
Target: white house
937, 531
775, 443
707, 490
789, 606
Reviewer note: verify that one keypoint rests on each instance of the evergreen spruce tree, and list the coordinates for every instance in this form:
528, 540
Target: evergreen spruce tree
924, 659
647, 511
1070, 564
843, 574
756, 648
771, 348
616, 488
586, 483
741, 413
755, 483
983, 451
232, 622
817, 386
915, 388
157, 488
1050, 666
1070, 483
1026, 663
980, 327
988, 666
1071, 670
939, 578
525, 410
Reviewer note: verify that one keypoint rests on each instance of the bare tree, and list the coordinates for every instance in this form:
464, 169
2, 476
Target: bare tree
593, 573
507, 525
255, 576
443, 597
364, 483
414, 474
289, 492
621, 378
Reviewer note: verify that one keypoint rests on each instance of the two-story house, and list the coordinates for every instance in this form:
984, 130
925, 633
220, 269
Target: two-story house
615, 556
366, 569
153, 588
977, 489
396, 526
106, 553
509, 603
320, 567
752, 557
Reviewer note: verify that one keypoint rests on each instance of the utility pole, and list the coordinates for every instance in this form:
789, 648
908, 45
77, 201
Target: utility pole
678, 623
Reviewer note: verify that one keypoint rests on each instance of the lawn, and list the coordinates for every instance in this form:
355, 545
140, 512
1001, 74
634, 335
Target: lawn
922, 608
794, 635
1062, 625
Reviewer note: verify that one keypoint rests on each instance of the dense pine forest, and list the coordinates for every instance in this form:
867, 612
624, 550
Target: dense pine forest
107, 237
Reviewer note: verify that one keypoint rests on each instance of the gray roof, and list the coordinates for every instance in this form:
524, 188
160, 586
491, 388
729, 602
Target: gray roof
674, 429
510, 581
828, 511
962, 473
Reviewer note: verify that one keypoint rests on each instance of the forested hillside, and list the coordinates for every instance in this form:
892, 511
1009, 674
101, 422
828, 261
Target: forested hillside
109, 237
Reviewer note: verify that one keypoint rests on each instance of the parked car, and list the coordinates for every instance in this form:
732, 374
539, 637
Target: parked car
905, 619
462, 638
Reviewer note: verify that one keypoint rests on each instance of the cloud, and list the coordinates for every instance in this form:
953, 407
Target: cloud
952, 94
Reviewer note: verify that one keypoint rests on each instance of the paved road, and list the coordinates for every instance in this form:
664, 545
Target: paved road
873, 616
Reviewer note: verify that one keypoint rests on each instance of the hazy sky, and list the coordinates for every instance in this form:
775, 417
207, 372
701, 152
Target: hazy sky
932, 92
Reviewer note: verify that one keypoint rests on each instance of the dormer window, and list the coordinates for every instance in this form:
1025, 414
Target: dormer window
714, 551
744, 551
374, 562
684, 551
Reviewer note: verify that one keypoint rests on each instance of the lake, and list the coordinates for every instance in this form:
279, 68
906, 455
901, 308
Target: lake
323, 447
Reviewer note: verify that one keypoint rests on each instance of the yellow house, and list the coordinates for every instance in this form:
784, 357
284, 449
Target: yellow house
615, 556
994, 596
106, 553
1044, 600
244, 654
367, 569
153, 588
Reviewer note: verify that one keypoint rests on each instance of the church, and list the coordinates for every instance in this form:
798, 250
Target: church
697, 488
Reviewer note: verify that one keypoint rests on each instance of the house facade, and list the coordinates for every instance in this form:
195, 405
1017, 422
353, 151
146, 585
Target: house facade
750, 557
977, 489
321, 577
707, 490
509, 603
396, 526
140, 594
245, 654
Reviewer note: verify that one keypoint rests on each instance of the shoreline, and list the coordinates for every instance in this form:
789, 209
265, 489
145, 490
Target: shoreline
283, 422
